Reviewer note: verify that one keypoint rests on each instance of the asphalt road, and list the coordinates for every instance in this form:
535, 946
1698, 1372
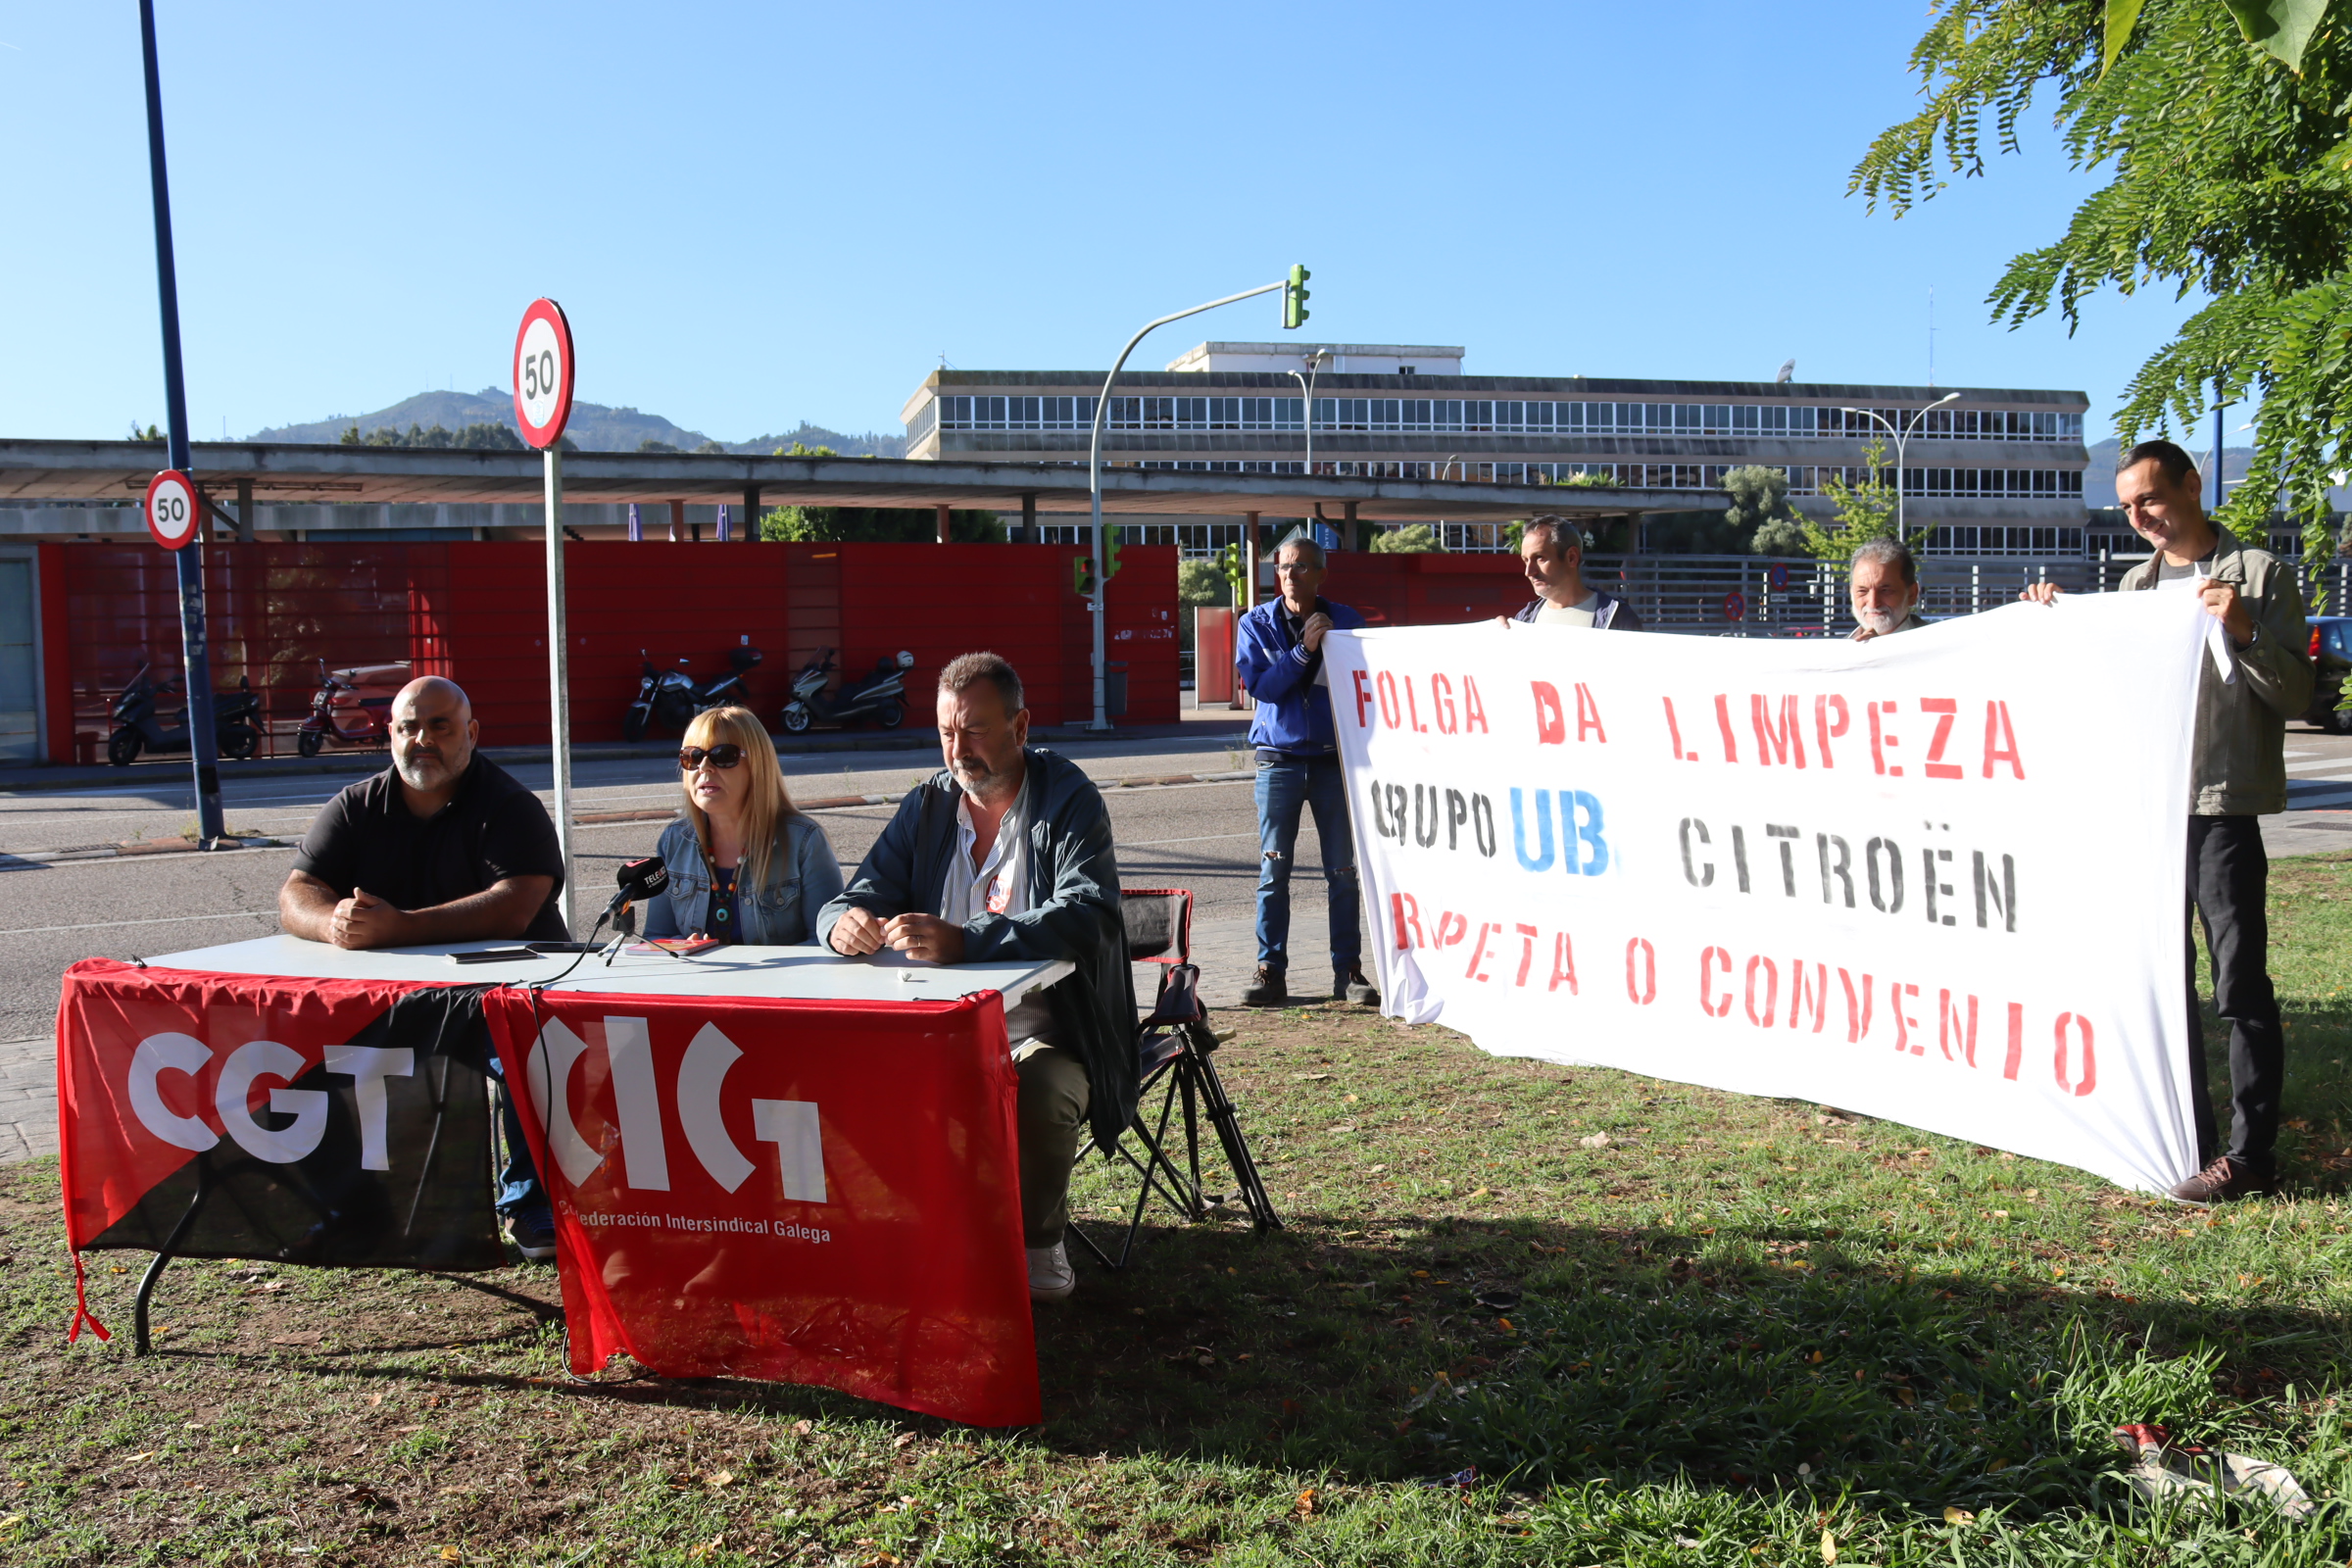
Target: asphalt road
1197, 836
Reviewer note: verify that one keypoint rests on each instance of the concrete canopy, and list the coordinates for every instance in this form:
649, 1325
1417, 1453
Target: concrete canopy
119, 470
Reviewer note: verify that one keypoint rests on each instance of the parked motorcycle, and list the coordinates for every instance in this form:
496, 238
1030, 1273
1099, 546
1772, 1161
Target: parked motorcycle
138, 727
352, 706
881, 696
671, 698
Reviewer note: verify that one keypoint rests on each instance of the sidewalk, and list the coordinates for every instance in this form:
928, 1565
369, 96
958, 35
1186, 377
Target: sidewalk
1209, 725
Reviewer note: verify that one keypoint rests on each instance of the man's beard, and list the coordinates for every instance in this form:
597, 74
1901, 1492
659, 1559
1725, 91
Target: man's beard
423, 772
1881, 621
980, 781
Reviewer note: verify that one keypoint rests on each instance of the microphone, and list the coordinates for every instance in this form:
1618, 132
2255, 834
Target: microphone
638, 879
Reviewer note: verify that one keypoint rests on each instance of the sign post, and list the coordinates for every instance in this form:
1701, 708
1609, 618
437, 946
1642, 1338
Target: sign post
187, 525
543, 367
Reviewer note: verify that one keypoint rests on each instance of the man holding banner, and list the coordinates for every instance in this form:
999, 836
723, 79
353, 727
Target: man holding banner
1884, 580
1552, 553
2256, 678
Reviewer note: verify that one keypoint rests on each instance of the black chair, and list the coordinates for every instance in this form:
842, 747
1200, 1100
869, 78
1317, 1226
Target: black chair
1176, 1048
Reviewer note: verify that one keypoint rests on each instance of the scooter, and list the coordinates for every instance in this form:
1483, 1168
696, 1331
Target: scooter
352, 706
140, 729
671, 698
882, 695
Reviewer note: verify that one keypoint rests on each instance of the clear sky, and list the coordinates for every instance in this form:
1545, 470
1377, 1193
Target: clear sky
762, 213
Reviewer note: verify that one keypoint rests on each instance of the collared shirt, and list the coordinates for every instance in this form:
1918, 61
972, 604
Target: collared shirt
1912, 620
490, 829
1000, 885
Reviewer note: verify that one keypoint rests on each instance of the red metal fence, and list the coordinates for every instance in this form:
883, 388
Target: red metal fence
478, 612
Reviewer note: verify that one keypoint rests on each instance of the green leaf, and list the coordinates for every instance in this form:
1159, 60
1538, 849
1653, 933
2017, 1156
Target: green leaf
2281, 26
2121, 17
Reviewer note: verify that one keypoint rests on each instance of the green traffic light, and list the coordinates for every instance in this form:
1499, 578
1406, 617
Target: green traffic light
1293, 299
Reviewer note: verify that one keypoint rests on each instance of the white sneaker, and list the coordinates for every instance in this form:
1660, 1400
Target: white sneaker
1051, 1278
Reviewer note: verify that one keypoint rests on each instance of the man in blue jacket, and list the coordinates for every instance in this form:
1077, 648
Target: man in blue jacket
1280, 662
1005, 855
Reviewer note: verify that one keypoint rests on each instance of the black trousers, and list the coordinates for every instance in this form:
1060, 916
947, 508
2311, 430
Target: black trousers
2229, 875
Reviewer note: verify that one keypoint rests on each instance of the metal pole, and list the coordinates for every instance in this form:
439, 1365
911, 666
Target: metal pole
2217, 407
195, 659
559, 676
1094, 475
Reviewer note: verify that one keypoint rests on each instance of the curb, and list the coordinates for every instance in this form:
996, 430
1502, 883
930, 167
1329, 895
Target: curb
830, 803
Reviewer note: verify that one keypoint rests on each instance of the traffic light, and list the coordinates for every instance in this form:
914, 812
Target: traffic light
1294, 300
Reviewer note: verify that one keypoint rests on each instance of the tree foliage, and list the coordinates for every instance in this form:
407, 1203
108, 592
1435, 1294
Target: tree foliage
483, 436
1412, 539
1203, 582
1760, 510
2228, 174
878, 525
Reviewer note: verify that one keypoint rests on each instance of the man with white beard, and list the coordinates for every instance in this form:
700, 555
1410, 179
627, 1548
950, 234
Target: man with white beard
1884, 582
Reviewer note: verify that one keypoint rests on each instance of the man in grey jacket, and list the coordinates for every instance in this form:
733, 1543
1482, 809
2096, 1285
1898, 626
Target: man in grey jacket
2238, 776
1006, 854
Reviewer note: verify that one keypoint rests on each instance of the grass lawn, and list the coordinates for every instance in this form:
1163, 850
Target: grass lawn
1663, 1325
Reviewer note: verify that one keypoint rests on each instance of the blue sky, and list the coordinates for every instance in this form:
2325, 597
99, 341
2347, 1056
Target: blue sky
760, 214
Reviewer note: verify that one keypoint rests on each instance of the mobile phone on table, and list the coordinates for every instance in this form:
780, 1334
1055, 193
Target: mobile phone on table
494, 956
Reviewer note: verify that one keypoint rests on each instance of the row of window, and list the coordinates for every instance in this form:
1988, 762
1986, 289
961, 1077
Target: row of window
1483, 417
2031, 484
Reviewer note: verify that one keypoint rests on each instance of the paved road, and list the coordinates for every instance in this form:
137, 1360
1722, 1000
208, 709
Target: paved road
1199, 836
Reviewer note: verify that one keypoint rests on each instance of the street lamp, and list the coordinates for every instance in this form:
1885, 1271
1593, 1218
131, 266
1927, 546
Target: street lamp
1307, 397
1902, 438
1094, 464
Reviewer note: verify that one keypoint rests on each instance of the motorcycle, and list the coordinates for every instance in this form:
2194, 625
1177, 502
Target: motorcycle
883, 695
352, 706
236, 733
670, 698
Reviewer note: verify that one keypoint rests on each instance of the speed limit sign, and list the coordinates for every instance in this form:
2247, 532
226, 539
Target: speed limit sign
543, 373
172, 510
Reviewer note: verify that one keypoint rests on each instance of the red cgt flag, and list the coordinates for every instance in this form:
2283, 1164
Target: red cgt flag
822, 1193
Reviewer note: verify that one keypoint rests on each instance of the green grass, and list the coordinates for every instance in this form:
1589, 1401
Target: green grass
1736, 1325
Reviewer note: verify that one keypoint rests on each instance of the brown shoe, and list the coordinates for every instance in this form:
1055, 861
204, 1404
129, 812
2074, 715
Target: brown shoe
2220, 1182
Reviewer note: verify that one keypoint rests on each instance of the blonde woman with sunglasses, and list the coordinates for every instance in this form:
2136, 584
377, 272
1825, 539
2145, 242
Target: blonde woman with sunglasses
744, 865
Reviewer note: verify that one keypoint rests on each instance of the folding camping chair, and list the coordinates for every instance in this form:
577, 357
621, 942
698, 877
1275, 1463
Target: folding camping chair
1175, 1046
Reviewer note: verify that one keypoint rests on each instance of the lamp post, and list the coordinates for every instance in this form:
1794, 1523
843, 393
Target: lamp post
1902, 438
1094, 471
1306, 399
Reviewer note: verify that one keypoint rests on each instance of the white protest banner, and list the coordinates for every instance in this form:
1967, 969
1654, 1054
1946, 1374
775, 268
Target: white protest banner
1936, 877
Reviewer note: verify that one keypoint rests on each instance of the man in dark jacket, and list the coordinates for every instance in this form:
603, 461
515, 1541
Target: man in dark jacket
1552, 552
1279, 658
1005, 855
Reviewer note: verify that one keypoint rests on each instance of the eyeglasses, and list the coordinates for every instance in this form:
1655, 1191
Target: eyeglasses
722, 758
1295, 566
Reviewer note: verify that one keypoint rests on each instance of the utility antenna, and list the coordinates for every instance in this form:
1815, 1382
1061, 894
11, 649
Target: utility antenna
1931, 334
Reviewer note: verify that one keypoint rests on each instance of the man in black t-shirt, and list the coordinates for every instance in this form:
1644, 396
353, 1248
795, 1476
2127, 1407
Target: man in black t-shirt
443, 846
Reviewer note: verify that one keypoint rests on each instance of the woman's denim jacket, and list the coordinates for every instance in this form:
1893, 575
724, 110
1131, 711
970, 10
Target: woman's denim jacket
802, 876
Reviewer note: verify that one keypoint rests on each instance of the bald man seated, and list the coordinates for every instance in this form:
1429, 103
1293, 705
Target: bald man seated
443, 846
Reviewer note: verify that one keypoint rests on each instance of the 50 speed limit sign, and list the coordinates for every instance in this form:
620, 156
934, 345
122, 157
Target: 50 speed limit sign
543, 373
172, 510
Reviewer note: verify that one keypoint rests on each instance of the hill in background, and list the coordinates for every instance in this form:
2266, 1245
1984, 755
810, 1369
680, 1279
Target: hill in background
594, 427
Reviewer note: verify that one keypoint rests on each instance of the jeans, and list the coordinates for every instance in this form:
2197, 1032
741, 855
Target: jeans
2228, 875
1284, 788
518, 1185
1054, 1096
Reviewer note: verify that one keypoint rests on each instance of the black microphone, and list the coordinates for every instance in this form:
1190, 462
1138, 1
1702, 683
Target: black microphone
638, 879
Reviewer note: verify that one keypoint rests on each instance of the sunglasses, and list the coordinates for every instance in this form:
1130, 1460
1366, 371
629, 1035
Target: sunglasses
718, 757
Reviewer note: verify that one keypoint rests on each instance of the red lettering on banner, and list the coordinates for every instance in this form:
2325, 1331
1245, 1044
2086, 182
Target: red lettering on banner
1551, 725
1389, 714
1707, 975
1823, 730
1777, 741
1474, 712
2000, 741
1904, 1023
1527, 952
2090, 1065
1772, 989
1944, 708
1948, 1028
1563, 965
1798, 990
1857, 1021
1364, 696
1413, 708
1404, 914
2017, 1039
1879, 739
1441, 697
1646, 991
1723, 723
1478, 953
1674, 734
1451, 928
1587, 715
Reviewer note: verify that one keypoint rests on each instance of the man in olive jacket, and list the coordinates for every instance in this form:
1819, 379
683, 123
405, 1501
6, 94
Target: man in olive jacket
1005, 855
2237, 776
